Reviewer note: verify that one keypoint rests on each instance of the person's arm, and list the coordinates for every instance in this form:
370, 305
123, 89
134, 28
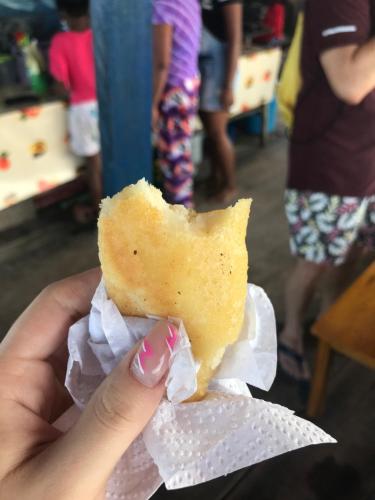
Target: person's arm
162, 48
59, 69
60, 90
350, 71
233, 23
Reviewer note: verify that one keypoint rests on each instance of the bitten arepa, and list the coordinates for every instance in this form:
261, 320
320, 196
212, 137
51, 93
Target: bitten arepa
166, 260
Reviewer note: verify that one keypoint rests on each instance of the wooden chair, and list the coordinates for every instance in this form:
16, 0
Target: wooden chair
347, 327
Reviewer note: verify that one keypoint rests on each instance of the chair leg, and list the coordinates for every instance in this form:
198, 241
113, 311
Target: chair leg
319, 382
264, 125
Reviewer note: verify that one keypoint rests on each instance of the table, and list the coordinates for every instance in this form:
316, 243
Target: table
34, 152
254, 89
258, 71
255, 82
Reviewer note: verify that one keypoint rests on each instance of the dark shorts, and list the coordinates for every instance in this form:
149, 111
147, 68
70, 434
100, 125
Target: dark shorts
324, 227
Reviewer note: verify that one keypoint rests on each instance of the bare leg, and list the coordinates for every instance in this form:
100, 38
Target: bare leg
87, 213
94, 166
337, 279
300, 288
299, 291
221, 152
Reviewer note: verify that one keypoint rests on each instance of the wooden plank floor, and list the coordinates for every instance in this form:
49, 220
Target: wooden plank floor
51, 248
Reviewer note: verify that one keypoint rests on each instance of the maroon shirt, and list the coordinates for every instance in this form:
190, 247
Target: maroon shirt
332, 148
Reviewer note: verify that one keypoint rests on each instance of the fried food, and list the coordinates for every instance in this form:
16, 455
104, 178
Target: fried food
166, 260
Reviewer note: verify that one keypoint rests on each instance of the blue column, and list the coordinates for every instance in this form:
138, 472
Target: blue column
122, 34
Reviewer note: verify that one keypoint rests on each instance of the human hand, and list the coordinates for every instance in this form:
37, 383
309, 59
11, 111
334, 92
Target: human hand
227, 98
38, 462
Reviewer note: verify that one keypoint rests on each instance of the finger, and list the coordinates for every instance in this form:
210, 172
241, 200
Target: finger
44, 325
114, 417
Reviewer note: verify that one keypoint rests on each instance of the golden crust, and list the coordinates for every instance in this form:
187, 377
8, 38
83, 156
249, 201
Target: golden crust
165, 260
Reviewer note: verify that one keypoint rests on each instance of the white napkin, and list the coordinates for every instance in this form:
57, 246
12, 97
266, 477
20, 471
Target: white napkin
189, 443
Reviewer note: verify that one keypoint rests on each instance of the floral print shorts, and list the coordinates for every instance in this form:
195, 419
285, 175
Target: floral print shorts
324, 227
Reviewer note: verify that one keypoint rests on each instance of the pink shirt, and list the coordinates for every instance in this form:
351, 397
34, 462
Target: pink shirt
72, 63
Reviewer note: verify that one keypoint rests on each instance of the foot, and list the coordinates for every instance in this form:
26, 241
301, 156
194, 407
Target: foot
291, 359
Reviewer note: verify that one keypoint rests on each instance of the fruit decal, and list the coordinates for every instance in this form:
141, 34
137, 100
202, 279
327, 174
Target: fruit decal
38, 149
267, 76
4, 161
44, 185
31, 112
10, 199
249, 82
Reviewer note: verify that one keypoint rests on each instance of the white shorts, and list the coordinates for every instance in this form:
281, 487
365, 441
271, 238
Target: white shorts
84, 128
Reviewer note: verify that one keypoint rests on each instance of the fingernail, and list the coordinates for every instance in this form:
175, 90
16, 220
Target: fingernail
151, 362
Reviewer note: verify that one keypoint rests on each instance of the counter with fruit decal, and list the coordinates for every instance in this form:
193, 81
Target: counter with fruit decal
34, 152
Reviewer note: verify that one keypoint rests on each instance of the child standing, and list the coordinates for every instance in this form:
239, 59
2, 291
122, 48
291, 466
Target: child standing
176, 39
72, 66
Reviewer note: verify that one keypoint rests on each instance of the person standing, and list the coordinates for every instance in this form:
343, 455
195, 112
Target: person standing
176, 36
330, 196
220, 50
72, 66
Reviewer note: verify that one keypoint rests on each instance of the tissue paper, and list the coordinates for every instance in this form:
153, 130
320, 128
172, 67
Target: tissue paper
188, 443
198, 442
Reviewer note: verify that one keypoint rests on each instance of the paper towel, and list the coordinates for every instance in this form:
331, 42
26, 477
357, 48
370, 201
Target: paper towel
188, 443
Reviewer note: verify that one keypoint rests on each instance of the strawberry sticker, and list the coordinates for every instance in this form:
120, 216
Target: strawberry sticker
267, 76
4, 161
31, 112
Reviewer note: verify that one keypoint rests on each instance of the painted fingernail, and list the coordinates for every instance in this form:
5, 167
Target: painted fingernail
151, 362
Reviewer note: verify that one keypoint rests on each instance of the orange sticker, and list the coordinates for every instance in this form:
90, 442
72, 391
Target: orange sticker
38, 149
249, 82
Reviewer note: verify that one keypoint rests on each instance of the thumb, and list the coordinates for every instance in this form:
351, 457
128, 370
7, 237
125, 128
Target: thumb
116, 414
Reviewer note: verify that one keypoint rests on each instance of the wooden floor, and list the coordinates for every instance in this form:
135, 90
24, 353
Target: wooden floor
50, 247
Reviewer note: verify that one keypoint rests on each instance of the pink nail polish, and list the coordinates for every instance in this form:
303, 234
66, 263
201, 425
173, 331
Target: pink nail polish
151, 362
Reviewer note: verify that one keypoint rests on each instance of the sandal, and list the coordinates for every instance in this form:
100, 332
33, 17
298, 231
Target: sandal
299, 360
294, 358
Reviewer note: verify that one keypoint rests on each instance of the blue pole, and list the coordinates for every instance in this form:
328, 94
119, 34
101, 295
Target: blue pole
122, 34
